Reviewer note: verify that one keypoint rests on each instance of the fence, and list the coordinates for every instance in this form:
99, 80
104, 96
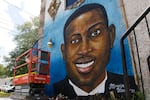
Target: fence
144, 17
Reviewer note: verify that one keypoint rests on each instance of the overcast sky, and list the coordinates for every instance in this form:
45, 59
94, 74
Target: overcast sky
12, 14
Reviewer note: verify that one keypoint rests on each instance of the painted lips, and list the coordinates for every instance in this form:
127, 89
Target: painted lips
84, 65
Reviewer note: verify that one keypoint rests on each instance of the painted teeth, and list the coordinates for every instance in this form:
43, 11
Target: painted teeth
85, 65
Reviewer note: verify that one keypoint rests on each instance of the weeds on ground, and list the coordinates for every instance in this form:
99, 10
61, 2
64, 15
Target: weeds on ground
3, 94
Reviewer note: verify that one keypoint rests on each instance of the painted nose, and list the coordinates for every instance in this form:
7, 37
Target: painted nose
84, 48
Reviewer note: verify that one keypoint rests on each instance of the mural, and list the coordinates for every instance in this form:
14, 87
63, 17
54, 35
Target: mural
85, 54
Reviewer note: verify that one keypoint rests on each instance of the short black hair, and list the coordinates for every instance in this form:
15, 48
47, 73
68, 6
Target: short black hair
85, 8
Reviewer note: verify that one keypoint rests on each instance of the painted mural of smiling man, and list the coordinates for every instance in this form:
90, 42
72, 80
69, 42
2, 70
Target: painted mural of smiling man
88, 40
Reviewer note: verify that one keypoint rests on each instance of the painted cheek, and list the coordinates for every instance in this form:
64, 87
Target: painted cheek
74, 49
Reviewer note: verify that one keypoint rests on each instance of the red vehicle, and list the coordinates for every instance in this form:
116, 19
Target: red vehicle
31, 74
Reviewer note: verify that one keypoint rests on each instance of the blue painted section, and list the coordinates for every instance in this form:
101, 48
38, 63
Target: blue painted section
54, 30
35, 51
70, 2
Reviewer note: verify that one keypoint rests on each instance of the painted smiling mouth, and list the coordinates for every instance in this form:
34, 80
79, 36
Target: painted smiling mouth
85, 65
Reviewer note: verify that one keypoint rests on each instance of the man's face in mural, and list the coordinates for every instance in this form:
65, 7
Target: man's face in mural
87, 48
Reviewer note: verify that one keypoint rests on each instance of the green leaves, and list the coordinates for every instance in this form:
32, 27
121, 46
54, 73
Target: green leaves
2, 70
28, 34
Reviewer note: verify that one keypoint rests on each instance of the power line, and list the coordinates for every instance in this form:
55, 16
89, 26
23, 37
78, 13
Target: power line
18, 8
8, 21
9, 30
7, 24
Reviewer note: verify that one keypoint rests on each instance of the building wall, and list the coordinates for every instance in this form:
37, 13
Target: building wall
133, 10
52, 30
6, 81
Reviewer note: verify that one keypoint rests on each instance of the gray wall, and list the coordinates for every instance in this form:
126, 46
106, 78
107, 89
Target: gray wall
133, 9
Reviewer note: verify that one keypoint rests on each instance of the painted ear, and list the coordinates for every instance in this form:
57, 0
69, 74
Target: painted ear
62, 50
112, 32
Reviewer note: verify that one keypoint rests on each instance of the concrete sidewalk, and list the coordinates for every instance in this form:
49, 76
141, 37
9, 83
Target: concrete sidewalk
5, 98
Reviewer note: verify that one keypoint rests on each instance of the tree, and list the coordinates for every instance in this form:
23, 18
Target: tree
28, 34
2, 70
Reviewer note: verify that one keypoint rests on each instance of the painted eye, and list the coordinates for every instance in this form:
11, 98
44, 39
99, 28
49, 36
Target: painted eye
74, 41
95, 33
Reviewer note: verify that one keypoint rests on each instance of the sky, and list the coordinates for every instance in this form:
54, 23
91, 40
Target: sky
12, 14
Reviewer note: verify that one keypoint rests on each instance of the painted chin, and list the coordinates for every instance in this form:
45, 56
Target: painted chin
85, 67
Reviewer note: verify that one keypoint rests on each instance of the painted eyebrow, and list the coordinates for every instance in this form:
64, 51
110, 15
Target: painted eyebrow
94, 25
77, 34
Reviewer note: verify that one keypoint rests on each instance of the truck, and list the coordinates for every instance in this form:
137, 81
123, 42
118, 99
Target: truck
31, 74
